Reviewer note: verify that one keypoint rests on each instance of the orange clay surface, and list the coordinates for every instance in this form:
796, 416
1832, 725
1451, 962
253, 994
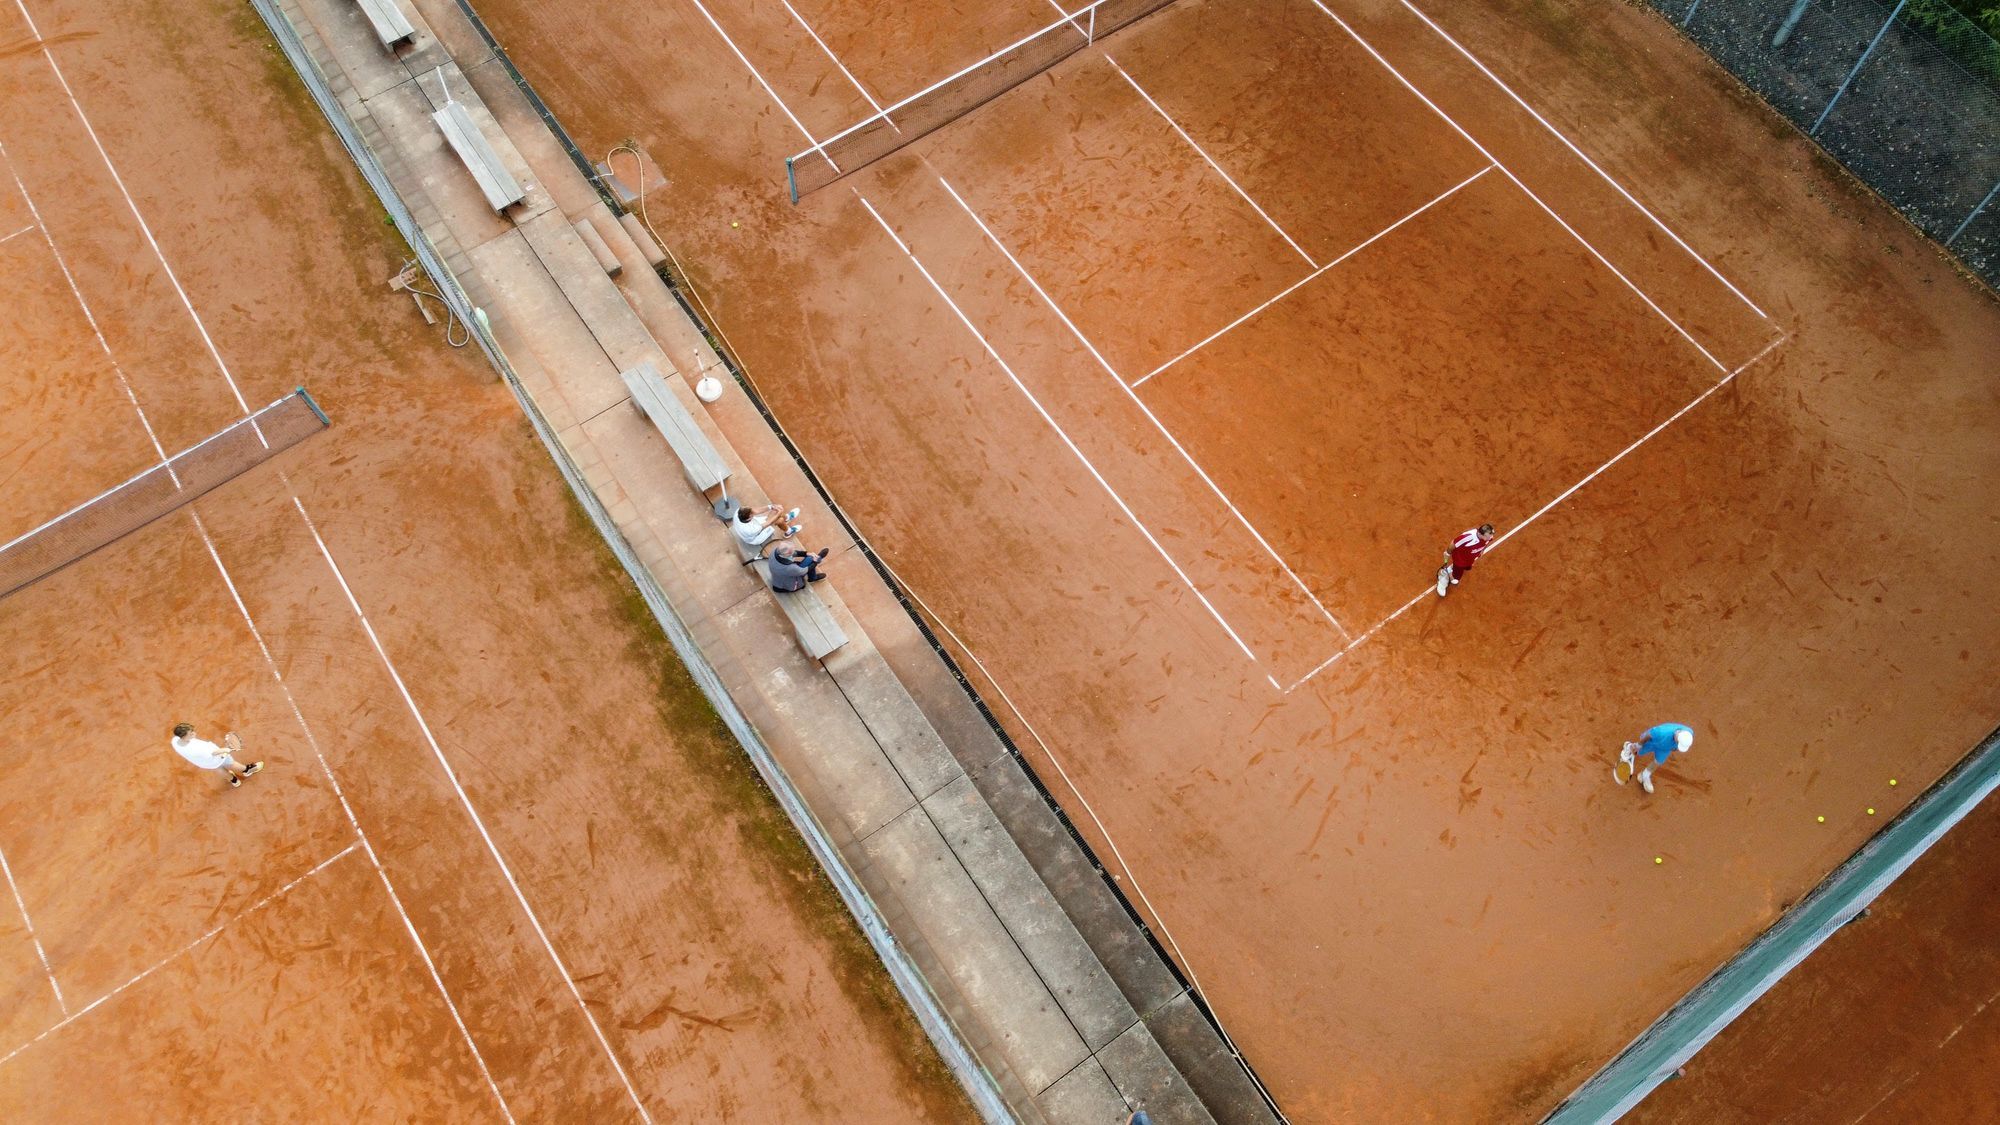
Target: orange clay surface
189, 952
1401, 875
1891, 1020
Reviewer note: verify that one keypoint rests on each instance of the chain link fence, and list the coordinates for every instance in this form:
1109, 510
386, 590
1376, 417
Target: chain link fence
1906, 95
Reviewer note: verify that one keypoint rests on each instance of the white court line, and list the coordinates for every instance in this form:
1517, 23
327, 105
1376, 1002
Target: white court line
754, 73
1203, 153
133, 398
1529, 192
1143, 408
30, 924
478, 822
1620, 188
182, 951
1054, 425
353, 822
1546, 508
1288, 290
18, 233
144, 229
62, 264
858, 87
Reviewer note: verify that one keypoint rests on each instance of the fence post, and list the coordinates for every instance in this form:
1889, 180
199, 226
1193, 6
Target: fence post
1791, 21
1974, 214
1858, 64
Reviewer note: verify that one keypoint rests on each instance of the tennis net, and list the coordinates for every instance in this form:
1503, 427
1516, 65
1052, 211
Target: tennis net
115, 513
945, 101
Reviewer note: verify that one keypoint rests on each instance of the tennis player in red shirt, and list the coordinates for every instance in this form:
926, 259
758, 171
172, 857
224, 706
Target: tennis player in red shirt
1465, 550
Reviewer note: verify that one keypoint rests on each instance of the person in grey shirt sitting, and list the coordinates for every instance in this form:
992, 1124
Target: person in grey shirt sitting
791, 568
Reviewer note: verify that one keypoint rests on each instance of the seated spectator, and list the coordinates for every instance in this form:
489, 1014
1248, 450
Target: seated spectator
755, 527
791, 569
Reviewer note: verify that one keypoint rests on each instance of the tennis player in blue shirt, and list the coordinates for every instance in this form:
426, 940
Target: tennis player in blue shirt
1662, 742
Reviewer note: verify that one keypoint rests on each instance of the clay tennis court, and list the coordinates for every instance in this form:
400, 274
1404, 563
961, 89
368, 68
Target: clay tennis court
1162, 379
502, 863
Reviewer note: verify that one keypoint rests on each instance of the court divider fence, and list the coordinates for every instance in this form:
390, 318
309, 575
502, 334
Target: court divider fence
977, 1082
1906, 96
1663, 1048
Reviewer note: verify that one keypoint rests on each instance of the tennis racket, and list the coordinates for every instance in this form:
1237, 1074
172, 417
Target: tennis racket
232, 742
1444, 580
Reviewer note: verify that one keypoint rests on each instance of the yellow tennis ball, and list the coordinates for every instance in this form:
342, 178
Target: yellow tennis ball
1871, 812
734, 223
1892, 781
1657, 859
1822, 820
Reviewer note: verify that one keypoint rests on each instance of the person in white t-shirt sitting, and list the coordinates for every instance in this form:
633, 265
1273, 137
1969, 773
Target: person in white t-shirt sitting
209, 756
755, 527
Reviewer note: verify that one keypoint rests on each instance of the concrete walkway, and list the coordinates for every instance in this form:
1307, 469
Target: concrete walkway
1070, 1012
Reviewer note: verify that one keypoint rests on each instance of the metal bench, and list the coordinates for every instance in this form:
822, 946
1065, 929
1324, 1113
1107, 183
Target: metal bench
704, 466
499, 186
812, 622
391, 26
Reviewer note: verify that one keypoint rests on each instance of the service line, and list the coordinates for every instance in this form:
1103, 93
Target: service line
1525, 189
1130, 515
1143, 408
1649, 435
1581, 155
1295, 286
182, 951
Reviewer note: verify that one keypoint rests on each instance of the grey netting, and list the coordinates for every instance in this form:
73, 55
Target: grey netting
948, 100
1906, 94
161, 489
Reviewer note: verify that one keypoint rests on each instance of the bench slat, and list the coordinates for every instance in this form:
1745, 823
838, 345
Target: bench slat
812, 622
499, 186
705, 467
391, 26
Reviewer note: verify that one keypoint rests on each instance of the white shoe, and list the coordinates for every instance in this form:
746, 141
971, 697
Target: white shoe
1646, 781
792, 516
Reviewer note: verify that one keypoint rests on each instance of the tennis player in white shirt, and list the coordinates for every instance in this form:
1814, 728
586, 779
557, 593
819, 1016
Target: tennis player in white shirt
207, 755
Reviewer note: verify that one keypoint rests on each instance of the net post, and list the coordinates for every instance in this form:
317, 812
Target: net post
313, 405
792, 180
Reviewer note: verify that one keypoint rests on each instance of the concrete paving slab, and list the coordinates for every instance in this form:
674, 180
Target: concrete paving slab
811, 729
1214, 1074
1024, 1022
1063, 960
1084, 1096
594, 296
1146, 1078
878, 697
1077, 884
359, 55
444, 20
538, 317
431, 172
634, 454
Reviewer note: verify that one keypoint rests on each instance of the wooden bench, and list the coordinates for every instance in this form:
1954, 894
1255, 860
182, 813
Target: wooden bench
499, 186
704, 466
391, 26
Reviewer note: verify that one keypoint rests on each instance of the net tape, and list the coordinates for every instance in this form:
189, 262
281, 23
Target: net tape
244, 444
949, 99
